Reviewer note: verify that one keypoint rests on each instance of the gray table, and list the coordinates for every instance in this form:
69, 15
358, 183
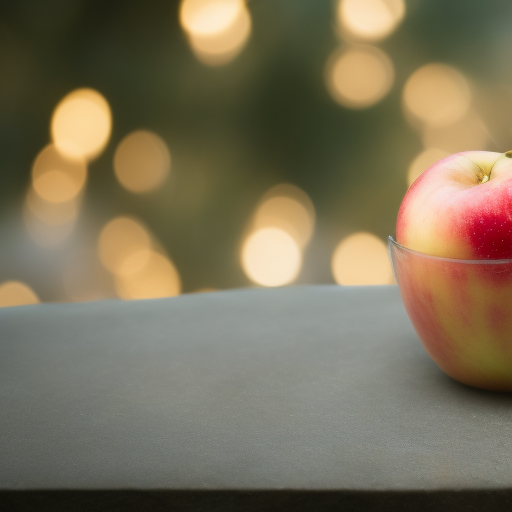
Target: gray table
306, 398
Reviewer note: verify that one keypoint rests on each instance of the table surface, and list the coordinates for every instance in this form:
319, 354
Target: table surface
305, 388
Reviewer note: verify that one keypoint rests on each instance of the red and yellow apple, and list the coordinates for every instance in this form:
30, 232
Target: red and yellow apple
453, 265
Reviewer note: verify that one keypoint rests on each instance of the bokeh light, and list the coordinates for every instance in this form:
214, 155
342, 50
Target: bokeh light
271, 257
361, 259
81, 124
145, 132
369, 19
16, 293
142, 161
359, 77
436, 94
217, 30
289, 208
467, 134
119, 239
205, 17
56, 177
423, 161
147, 275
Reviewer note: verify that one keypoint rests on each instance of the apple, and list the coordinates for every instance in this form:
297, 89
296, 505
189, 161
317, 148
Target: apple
453, 264
460, 207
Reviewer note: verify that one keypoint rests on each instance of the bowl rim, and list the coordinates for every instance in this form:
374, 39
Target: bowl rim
392, 242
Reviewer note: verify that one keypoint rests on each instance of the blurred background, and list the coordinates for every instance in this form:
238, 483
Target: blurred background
154, 148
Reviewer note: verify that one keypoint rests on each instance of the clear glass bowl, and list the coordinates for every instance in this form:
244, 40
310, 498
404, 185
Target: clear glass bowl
462, 313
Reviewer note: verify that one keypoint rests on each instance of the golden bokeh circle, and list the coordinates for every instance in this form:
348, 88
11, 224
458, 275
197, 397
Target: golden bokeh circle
209, 17
16, 293
271, 257
436, 94
142, 161
287, 207
119, 239
361, 259
58, 178
370, 20
359, 77
149, 276
81, 124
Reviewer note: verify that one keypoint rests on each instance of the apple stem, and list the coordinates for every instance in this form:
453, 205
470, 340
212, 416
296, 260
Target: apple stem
508, 154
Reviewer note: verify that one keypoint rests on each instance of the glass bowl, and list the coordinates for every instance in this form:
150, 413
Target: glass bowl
462, 313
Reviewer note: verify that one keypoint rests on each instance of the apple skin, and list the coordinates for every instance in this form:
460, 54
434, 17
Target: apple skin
449, 212
462, 313
453, 270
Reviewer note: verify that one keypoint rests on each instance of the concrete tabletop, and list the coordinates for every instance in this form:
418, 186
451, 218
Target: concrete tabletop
299, 398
